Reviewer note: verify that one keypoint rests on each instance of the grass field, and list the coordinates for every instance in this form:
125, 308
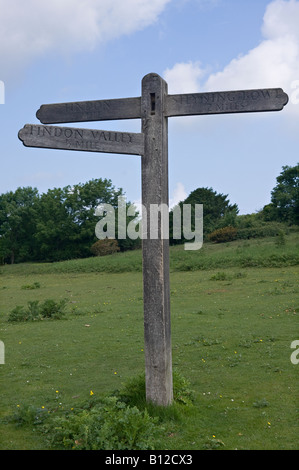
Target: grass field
235, 310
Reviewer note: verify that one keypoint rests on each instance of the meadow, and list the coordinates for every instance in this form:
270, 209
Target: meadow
234, 310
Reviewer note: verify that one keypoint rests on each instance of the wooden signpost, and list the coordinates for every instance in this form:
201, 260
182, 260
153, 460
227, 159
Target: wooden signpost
154, 107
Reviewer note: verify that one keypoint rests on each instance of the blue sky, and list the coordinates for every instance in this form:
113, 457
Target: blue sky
73, 50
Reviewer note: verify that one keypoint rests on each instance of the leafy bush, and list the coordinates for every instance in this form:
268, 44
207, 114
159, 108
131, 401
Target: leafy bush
52, 309
36, 311
220, 276
280, 240
35, 285
121, 421
133, 391
29, 415
108, 425
225, 234
108, 246
182, 392
21, 314
270, 229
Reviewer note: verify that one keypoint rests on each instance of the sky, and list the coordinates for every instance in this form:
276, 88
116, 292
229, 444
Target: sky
76, 50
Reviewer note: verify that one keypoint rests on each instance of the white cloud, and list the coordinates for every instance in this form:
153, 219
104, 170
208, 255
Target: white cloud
281, 19
33, 28
272, 63
179, 194
183, 77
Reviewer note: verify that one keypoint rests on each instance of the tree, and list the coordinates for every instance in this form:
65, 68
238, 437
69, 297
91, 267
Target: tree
18, 224
67, 219
56, 228
56, 225
217, 210
285, 196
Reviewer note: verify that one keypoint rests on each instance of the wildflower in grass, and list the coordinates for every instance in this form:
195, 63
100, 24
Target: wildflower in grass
91, 393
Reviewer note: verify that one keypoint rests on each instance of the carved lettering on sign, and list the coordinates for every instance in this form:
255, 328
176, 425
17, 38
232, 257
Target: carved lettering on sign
226, 102
82, 139
98, 110
87, 107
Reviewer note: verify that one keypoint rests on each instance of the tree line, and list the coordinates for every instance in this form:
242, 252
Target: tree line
60, 224
221, 221
56, 225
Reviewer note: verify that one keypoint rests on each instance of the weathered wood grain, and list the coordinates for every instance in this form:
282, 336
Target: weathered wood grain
155, 248
89, 140
82, 111
242, 101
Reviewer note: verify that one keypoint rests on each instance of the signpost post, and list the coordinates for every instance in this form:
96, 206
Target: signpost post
154, 107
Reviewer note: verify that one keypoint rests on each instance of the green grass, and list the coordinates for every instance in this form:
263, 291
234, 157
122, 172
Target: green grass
235, 313
241, 254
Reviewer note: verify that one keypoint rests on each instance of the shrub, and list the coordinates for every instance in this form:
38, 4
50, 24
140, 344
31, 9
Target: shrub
52, 309
280, 240
108, 246
35, 285
109, 425
21, 314
36, 311
120, 421
18, 314
225, 234
220, 276
270, 229
133, 391
182, 392
29, 415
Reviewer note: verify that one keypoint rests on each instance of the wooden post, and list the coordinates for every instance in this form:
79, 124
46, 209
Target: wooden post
156, 291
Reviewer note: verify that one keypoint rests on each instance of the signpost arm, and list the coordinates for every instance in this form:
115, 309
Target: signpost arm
156, 291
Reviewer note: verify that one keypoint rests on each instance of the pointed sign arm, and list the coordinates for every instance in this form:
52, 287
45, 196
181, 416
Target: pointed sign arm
222, 102
82, 111
89, 140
